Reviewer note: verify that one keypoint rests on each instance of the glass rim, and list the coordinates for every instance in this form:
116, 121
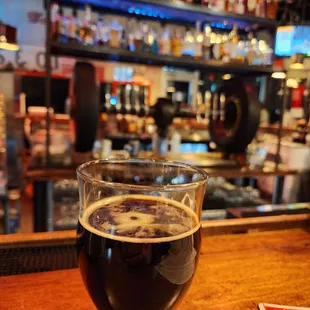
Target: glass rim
167, 187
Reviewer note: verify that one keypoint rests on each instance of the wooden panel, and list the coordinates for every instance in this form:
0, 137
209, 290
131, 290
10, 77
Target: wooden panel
245, 172
244, 225
209, 228
37, 239
236, 272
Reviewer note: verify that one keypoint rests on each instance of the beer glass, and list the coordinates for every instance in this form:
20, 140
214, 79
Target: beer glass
139, 237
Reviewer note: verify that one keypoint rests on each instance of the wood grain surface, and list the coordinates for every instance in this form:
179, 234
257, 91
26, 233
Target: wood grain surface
236, 272
209, 228
237, 172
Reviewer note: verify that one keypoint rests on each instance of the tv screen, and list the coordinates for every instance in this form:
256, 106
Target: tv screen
293, 40
34, 88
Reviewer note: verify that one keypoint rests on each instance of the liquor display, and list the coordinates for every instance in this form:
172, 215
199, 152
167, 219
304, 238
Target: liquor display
261, 8
203, 43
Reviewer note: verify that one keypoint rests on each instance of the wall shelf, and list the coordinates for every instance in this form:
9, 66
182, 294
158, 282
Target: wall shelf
120, 55
175, 10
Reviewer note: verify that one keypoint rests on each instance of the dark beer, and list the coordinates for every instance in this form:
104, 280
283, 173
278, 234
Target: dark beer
137, 252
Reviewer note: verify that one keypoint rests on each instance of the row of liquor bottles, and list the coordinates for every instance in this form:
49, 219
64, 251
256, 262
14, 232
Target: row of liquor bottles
261, 8
144, 36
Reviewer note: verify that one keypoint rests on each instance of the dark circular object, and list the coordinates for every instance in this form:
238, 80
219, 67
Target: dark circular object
163, 113
86, 106
236, 130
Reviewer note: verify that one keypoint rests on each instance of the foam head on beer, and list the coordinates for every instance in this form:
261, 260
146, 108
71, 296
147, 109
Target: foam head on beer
140, 218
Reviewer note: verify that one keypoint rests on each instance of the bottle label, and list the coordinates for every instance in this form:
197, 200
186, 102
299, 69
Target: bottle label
220, 5
252, 5
233, 50
198, 49
164, 47
240, 8
72, 29
114, 38
176, 47
217, 51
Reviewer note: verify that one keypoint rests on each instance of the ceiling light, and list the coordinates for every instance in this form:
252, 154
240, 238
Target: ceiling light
297, 62
278, 75
226, 77
292, 83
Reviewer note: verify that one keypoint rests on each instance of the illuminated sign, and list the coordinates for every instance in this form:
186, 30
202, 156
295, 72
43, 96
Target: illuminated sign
293, 40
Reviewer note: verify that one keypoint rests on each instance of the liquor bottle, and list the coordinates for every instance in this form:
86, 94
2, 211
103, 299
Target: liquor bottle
86, 32
164, 47
230, 4
198, 51
124, 39
188, 46
130, 31
216, 49
209, 3
272, 9
102, 32
153, 41
138, 37
60, 27
240, 7
251, 7
176, 44
224, 48
115, 32
241, 53
233, 42
72, 27
219, 5
207, 45
54, 21
147, 38
250, 49
261, 8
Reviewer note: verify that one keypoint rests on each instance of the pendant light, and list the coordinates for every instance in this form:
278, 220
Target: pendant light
297, 62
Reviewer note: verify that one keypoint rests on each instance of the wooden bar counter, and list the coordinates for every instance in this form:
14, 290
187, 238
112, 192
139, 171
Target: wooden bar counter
236, 272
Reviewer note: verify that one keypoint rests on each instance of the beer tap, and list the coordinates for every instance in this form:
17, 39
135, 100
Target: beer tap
127, 98
118, 105
107, 97
132, 100
163, 113
142, 101
222, 107
215, 111
137, 99
208, 97
122, 99
146, 100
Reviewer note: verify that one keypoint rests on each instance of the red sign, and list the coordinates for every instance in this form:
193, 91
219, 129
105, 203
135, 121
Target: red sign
297, 96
